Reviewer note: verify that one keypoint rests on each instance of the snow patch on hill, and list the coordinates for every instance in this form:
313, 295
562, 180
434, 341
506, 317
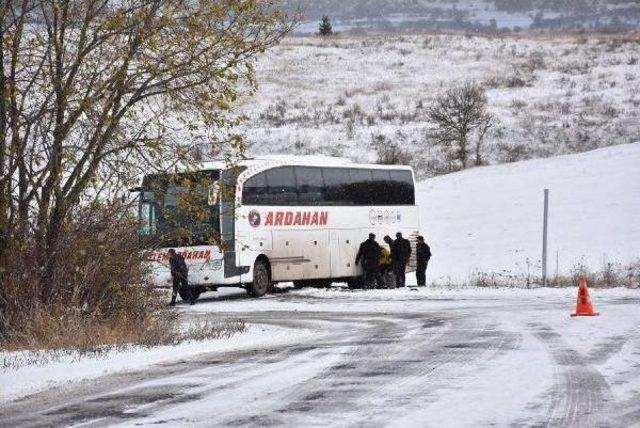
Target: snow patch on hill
489, 219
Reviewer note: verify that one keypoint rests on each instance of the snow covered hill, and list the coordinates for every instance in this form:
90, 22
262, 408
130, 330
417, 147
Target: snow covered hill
551, 95
489, 219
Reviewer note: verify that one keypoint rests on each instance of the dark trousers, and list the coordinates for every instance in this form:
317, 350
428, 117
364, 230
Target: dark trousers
421, 270
370, 279
399, 270
180, 281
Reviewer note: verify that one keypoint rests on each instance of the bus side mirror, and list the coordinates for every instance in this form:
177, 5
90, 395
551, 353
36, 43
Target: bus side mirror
148, 197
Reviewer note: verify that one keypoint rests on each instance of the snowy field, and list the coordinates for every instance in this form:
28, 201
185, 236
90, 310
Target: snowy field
489, 219
551, 95
435, 357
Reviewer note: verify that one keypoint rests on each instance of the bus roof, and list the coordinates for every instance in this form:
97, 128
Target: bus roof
287, 160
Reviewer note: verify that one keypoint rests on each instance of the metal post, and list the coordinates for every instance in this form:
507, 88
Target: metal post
544, 237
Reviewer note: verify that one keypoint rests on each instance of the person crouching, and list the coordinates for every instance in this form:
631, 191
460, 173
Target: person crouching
179, 275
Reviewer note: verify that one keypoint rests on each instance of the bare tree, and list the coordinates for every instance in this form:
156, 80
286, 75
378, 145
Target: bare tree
461, 121
95, 92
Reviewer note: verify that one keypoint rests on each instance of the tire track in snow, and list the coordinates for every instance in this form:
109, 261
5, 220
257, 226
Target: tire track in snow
580, 395
377, 382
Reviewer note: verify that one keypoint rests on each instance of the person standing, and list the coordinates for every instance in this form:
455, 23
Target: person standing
384, 265
400, 254
179, 275
423, 254
388, 277
369, 253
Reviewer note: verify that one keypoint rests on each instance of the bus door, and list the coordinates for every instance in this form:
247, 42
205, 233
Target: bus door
317, 255
344, 247
286, 258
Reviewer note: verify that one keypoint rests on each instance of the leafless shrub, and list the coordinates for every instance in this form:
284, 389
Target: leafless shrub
213, 329
96, 294
350, 127
512, 152
382, 86
517, 106
535, 62
610, 111
574, 67
517, 79
355, 113
275, 114
389, 152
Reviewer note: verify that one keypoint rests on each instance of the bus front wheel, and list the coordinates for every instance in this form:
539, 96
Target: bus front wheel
185, 294
261, 281
355, 283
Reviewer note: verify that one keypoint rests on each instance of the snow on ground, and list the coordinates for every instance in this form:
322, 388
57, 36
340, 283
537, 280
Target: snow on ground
30, 379
430, 356
489, 219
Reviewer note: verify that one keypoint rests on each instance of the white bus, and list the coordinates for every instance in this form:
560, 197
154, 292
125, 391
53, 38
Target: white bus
294, 219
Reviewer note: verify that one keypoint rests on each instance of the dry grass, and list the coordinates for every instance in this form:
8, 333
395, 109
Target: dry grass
612, 275
88, 339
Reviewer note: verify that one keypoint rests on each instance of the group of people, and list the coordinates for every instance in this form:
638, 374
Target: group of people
384, 268
381, 267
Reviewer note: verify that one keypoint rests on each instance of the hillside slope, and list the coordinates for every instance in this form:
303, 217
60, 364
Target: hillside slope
490, 218
345, 96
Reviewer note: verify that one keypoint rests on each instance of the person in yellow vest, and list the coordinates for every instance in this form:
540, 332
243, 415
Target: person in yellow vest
385, 267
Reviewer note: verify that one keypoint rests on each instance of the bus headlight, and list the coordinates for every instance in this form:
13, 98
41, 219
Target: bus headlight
216, 264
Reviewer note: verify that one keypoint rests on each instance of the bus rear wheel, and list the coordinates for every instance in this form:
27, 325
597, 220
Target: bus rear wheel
261, 280
314, 283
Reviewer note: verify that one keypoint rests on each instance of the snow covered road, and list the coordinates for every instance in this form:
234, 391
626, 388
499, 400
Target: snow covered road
413, 357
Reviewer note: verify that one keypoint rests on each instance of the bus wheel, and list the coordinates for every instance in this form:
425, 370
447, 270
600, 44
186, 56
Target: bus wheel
355, 283
184, 294
261, 281
322, 283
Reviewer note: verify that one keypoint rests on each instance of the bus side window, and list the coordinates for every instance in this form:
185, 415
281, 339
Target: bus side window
310, 185
336, 183
282, 186
403, 188
361, 190
383, 189
254, 191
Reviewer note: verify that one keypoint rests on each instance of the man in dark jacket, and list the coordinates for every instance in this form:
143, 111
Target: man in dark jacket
400, 254
369, 253
423, 254
179, 275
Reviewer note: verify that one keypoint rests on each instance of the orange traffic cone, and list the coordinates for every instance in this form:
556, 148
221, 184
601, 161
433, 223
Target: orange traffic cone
584, 306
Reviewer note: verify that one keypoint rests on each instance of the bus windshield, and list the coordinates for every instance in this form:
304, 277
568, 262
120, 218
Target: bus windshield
181, 209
